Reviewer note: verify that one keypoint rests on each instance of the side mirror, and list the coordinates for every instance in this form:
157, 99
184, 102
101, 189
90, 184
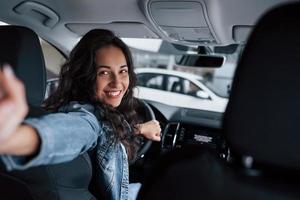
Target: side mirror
201, 94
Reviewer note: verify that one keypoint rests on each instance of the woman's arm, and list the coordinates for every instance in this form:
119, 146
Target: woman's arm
63, 137
50, 139
24, 141
150, 130
15, 139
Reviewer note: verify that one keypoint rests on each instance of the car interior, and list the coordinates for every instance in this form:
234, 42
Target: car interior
250, 151
259, 131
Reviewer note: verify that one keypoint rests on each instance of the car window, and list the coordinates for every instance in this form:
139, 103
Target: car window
174, 84
53, 59
190, 88
149, 80
182, 86
157, 69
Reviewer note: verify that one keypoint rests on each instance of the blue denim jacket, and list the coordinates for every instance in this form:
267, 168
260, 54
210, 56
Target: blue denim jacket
74, 130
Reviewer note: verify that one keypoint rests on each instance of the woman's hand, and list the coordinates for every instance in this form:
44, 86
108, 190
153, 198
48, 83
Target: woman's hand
13, 106
15, 139
150, 130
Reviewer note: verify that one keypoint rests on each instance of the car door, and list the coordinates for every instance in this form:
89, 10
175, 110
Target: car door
171, 90
184, 93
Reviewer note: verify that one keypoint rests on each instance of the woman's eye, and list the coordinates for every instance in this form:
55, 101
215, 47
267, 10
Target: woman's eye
103, 73
124, 71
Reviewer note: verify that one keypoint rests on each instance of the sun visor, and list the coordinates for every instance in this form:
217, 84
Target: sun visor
122, 29
179, 21
240, 33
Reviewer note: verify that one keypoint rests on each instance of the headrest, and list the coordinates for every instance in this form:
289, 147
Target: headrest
20, 47
262, 119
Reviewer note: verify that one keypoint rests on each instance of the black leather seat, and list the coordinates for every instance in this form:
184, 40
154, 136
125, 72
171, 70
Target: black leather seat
21, 48
261, 125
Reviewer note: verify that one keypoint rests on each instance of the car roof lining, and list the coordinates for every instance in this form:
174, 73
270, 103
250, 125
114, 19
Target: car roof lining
117, 15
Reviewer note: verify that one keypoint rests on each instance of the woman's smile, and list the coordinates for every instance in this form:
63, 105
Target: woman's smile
113, 93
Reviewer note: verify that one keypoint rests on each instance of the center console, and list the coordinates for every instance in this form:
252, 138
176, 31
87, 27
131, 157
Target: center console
178, 135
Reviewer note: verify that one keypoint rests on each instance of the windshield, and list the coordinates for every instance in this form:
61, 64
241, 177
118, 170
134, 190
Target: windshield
160, 79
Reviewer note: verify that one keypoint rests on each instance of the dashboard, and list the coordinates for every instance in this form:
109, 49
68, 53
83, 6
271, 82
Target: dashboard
184, 127
181, 128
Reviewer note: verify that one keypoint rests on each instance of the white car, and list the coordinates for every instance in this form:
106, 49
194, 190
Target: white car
175, 88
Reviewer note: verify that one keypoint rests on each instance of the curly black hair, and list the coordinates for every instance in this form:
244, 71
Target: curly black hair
77, 82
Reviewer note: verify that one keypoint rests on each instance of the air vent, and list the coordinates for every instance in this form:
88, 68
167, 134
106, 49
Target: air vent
169, 136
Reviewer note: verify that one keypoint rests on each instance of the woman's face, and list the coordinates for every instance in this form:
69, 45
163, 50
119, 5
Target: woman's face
112, 75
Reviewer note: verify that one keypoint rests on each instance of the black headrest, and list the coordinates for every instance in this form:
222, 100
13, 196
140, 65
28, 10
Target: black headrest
21, 48
262, 119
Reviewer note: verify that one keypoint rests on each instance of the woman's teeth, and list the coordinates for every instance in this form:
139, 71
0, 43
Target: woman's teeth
114, 93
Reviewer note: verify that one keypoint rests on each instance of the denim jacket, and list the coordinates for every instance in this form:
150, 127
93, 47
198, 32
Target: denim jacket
74, 130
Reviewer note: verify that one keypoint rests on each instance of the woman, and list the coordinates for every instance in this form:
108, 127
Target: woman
94, 109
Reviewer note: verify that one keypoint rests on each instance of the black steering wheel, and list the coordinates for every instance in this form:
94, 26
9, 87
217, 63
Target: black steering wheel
148, 115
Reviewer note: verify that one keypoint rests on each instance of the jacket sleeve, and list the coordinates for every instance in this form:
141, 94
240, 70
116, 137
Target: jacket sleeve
63, 137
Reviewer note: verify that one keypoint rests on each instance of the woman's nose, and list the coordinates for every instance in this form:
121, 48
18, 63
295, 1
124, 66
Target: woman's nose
116, 79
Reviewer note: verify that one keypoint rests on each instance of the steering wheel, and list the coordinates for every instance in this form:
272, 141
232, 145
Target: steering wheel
148, 115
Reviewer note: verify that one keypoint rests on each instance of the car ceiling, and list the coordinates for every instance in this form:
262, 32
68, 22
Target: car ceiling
229, 21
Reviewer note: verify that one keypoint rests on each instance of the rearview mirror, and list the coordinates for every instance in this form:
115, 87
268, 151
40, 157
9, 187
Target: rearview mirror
200, 60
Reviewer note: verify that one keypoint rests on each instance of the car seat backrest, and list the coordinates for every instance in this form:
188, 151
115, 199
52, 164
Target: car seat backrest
262, 117
21, 48
13, 189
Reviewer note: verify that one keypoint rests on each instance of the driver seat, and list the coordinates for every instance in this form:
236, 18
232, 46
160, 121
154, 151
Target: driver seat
70, 180
261, 125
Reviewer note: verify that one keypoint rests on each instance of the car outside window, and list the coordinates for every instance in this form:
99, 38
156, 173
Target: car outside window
174, 84
191, 88
53, 59
149, 80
